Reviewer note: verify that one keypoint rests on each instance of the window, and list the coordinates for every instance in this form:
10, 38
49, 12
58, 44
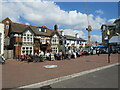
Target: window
43, 40
39, 29
27, 50
54, 49
27, 38
7, 26
43, 30
54, 40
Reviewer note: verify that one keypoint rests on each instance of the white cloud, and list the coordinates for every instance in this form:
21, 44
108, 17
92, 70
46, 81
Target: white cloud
97, 38
111, 20
73, 32
99, 11
27, 23
48, 13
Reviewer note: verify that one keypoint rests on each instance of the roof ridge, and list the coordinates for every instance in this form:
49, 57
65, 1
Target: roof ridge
32, 25
75, 37
24, 24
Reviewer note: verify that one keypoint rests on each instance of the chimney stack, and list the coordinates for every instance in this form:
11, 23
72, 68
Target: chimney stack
55, 27
76, 35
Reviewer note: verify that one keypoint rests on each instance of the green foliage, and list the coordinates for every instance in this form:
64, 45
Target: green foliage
59, 48
74, 47
87, 46
81, 47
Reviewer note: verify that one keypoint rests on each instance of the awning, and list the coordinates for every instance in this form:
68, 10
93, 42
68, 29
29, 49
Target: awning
115, 39
97, 46
86, 49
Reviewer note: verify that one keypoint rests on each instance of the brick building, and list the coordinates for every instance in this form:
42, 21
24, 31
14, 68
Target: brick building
28, 39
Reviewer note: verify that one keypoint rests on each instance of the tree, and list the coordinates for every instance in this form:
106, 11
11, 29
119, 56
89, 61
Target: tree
59, 48
80, 47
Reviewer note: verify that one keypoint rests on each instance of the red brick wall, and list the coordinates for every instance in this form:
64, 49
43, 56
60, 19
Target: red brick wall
12, 41
17, 51
18, 39
36, 49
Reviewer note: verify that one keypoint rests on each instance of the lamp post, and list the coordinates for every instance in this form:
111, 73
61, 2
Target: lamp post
108, 34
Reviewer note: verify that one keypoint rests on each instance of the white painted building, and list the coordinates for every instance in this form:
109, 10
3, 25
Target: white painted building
75, 41
55, 42
1, 38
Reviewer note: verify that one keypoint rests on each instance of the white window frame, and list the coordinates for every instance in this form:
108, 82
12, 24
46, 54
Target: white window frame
39, 29
43, 40
27, 38
30, 48
54, 40
54, 49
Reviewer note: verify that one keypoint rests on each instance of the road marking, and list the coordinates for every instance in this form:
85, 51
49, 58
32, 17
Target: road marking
48, 82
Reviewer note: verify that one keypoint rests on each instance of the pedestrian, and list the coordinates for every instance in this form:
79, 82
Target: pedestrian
63, 55
22, 57
47, 56
52, 58
55, 55
75, 56
69, 54
98, 51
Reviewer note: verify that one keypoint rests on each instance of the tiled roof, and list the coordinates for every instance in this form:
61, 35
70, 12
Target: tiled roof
73, 38
19, 28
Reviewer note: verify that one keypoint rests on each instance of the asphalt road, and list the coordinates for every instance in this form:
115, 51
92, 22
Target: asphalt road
107, 78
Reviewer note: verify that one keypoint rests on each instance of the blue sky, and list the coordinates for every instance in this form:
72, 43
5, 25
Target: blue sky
110, 8
70, 16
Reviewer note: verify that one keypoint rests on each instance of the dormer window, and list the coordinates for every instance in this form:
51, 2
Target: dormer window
42, 29
45, 30
39, 29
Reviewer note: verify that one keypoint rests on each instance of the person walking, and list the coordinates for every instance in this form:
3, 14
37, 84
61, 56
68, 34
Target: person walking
98, 51
69, 54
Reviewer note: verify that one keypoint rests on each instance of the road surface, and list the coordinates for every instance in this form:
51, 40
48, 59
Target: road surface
107, 78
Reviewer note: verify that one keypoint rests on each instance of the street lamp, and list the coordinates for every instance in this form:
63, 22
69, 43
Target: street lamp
108, 34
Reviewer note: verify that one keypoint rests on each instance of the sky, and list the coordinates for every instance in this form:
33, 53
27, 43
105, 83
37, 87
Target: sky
69, 16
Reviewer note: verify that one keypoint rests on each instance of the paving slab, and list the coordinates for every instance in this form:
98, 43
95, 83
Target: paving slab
16, 74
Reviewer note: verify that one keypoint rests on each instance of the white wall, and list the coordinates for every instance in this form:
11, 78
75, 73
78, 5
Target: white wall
72, 41
2, 37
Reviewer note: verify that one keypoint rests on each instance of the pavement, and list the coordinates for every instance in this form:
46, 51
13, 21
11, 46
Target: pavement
18, 74
106, 78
